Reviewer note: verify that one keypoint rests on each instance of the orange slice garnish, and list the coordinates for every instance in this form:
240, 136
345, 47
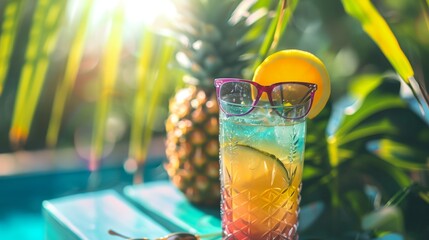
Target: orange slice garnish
296, 66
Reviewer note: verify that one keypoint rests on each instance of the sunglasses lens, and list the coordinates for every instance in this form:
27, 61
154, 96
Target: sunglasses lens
182, 236
236, 98
292, 100
290, 94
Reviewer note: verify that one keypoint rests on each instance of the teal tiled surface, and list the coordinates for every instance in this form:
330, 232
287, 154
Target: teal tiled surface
169, 206
22, 225
151, 210
21, 196
91, 215
71, 211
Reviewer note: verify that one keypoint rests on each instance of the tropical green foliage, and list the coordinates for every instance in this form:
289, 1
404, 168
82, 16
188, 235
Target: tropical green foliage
374, 145
275, 30
156, 54
61, 41
9, 29
71, 71
369, 148
43, 38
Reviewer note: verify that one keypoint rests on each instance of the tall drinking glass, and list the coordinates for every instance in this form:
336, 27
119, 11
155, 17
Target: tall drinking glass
262, 134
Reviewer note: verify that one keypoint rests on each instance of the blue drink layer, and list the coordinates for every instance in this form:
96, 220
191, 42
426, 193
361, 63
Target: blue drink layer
265, 131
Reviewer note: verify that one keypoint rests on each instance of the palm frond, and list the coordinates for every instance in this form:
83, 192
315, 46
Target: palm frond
425, 9
152, 78
378, 29
109, 72
42, 41
9, 28
72, 67
276, 29
144, 82
400, 154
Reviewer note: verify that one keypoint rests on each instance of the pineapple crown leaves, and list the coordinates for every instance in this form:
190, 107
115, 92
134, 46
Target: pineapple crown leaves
214, 39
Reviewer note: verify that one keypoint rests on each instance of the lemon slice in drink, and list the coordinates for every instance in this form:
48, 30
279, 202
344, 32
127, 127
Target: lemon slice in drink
254, 169
296, 66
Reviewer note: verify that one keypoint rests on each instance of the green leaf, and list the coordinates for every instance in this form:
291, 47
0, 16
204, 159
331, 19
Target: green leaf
155, 54
363, 85
386, 219
368, 130
311, 172
390, 236
260, 15
72, 68
9, 29
109, 72
372, 106
425, 196
398, 176
400, 154
276, 29
43, 37
425, 9
387, 176
400, 196
359, 90
358, 202
421, 97
377, 28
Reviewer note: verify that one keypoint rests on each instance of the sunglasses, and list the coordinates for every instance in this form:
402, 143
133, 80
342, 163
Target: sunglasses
290, 100
171, 236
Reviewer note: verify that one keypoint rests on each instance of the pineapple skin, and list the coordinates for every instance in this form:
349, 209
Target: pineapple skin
192, 145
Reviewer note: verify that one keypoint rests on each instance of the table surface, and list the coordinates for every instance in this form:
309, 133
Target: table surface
147, 210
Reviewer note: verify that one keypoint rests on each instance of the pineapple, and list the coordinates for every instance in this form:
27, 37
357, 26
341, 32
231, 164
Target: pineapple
212, 45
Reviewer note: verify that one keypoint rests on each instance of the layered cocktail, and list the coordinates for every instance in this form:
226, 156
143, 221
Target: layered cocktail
262, 138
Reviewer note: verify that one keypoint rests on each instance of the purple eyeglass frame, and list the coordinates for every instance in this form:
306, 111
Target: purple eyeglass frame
261, 89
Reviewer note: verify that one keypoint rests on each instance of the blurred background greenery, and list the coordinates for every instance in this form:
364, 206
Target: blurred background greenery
78, 40
97, 76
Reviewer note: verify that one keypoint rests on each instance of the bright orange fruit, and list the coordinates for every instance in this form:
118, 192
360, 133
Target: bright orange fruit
296, 66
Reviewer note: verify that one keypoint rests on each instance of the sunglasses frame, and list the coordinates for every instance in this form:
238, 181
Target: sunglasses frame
261, 89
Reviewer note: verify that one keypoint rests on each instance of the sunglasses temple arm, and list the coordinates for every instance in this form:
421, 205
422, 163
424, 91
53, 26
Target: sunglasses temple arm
210, 235
114, 233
